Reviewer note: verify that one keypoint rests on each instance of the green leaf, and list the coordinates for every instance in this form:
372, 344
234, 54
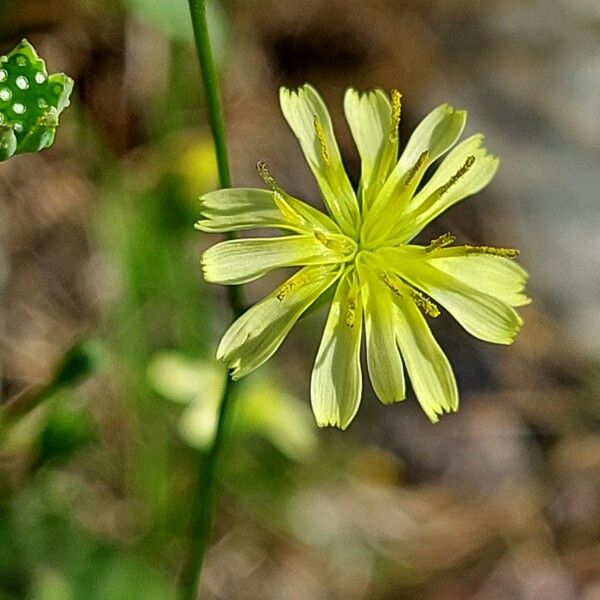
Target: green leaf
30, 101
82, 360
65, 432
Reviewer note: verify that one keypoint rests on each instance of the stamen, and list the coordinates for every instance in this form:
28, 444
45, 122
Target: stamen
327, 242
322, 139
391, 285
504, 252
444, 240
279, 195
289, 287
339, 243
351, 313
421, 161
396, 111
468, 164
427, 305
352, 303
266, 176
286, 210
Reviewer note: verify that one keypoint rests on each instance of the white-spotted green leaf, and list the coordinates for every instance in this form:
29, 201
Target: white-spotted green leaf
30, 101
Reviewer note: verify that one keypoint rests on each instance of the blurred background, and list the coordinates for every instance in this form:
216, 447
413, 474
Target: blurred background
107, 331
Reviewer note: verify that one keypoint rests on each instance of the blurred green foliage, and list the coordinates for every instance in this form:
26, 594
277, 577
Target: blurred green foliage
264, 408
173, 18
81, 361
91, 512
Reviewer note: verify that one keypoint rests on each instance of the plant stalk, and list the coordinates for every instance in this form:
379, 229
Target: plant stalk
203, 507
205, 499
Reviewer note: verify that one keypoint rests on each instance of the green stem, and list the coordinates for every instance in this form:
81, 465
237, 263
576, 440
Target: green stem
204, 500
211, 87
215, 117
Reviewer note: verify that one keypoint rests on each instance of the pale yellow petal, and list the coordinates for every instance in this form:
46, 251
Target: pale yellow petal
255, 336
435, 134
483, 316
240, 261
240, 208
233, 209
383, 357
430, 372
466, 171
433, 137
496, 276
309, 119
373, 127
336, 381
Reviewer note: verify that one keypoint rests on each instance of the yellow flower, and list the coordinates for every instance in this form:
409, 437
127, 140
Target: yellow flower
363, 247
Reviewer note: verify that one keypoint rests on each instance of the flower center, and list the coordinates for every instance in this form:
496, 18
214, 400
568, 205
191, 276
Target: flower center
338, 242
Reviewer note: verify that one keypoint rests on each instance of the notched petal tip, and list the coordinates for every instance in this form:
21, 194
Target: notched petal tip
285, 92
524, 301
433, 417
448, 109
462, 114
223, 352
333, 423
204, 263
434, 412
362, 94
439, 411
304, 88
236, 374
392, 399
512, 335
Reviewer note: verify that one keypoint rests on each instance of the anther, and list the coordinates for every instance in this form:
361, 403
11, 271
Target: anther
468, 164
504, 252
322, 139
444, 240
338, 243
416, 168
391, 285
427, 305
286, 210
352, 305
266, 176
284, 291
327, 242
351, 313
289, 287
279, 195
396, 111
